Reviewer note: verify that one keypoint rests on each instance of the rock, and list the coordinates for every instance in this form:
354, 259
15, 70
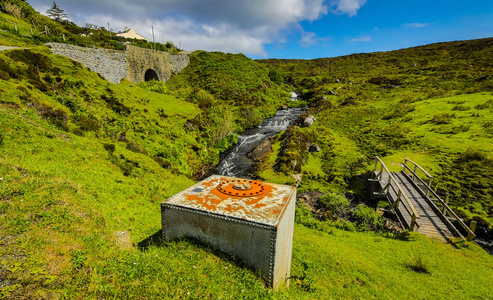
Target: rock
332, 93
297, 178
314, 148
414, 65
309, 121
482, 78
325, 98
261, 150
337, 80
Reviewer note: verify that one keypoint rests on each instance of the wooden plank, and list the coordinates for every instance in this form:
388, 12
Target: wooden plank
430, 224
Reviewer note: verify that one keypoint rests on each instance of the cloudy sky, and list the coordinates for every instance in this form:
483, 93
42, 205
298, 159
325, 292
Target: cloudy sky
288, 28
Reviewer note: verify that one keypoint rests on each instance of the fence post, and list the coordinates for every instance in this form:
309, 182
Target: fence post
470, 236
415, 172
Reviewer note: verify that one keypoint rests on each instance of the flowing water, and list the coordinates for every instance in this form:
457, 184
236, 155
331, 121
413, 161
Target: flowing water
236, 163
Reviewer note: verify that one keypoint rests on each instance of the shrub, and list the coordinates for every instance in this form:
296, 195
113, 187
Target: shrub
445, 118
56, 117
12, 9
459, 107
6, 72
367, 218
134, 147
109, 147
164, 163
336, 204
154, 86
275, 77
473, 154
116, 105
88, 123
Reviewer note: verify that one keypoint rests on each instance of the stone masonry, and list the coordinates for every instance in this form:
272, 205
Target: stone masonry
132, 64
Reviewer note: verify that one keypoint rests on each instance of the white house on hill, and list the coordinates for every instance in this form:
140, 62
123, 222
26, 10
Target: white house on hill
129, 33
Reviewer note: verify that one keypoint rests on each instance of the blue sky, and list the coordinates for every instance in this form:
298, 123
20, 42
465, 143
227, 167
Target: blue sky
389, 25
289, 28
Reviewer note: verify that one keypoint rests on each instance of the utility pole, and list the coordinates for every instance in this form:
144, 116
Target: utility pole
153, 41
109, 29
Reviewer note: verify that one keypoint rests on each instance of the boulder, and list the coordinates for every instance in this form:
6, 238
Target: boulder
314, 148
309, 121
482, 78
262, 149
297, 178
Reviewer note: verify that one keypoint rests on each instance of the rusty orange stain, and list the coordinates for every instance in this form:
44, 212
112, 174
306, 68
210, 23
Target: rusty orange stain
209, 183
265, 204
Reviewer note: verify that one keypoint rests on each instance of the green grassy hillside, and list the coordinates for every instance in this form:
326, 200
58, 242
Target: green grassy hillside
432, 104
84, 164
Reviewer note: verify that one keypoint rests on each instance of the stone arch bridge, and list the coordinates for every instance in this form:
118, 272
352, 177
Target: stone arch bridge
134, 63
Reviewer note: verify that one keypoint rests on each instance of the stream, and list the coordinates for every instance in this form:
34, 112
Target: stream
236, 163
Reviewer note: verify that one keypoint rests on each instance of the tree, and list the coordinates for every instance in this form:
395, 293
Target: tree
56, 13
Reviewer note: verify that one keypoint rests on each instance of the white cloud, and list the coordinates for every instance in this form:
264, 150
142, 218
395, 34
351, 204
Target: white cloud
222, 25
365, 38
416, 25
349, 7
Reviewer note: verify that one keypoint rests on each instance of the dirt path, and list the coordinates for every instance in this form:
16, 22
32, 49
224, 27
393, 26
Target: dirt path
3, 48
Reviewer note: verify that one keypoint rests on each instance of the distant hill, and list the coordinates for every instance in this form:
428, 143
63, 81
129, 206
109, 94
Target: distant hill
431, 103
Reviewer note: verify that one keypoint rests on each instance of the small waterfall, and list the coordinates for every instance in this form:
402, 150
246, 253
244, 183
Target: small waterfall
236, 163
294, 96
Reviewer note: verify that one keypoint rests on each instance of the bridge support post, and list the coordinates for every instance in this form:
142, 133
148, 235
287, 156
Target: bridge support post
473, 225
395, 205
413, 223
447, 195
429, 187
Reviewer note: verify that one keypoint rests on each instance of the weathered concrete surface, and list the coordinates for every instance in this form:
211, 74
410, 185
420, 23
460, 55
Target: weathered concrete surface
132, 64
255, 225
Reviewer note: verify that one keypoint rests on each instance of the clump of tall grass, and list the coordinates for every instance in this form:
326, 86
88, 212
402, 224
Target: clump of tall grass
419, 264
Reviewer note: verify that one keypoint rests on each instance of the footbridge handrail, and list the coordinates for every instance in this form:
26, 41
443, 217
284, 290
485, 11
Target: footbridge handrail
433, 196
401, 196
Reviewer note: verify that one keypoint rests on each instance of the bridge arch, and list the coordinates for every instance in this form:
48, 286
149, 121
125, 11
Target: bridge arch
150, 74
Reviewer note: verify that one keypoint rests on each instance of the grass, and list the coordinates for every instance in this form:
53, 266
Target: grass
431, 112
84, 162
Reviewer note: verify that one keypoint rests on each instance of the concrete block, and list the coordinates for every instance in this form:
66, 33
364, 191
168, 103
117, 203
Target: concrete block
249, 219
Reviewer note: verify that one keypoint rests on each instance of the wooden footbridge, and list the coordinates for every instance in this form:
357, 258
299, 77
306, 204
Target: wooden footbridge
417, 206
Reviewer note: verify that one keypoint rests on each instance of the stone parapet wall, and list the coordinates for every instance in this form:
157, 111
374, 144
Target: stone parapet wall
179, 62
131, 64
111, 64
